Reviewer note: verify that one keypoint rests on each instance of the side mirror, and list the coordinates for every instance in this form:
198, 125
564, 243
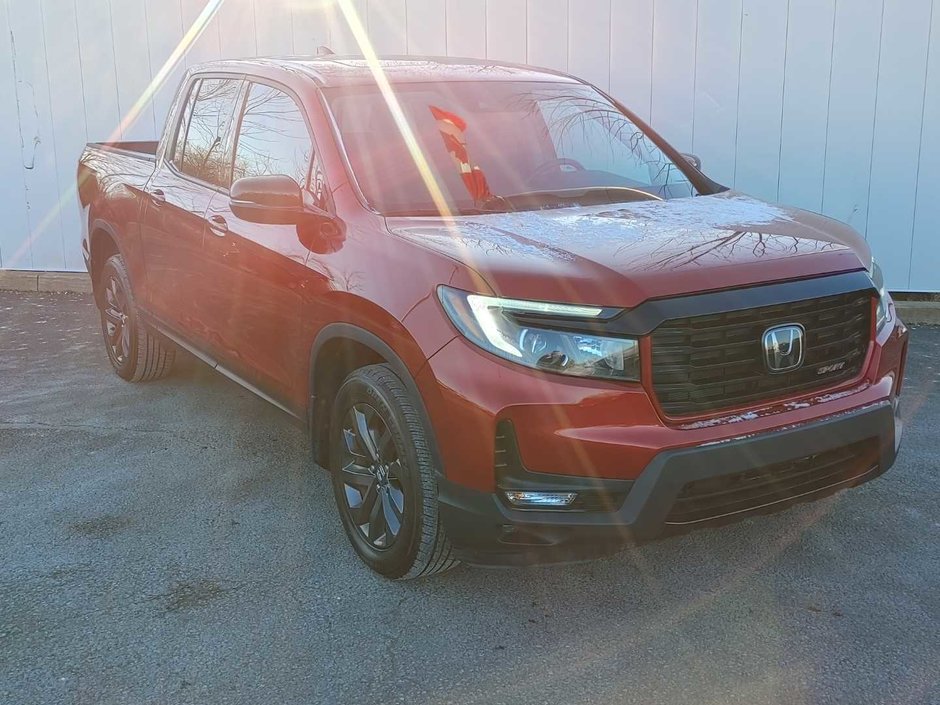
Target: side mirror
694, 160
275, 200
278, 200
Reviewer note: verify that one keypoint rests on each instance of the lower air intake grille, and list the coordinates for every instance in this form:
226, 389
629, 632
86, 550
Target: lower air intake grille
716, 497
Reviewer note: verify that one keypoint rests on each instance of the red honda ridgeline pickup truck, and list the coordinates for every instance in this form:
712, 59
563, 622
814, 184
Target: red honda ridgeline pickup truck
519, 325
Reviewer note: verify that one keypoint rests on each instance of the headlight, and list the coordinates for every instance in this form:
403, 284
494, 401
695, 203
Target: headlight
884, 301
511, 329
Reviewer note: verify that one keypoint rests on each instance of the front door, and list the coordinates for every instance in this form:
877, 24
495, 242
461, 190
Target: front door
260, 276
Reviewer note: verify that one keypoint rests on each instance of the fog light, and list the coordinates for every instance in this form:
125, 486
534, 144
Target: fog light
540, 499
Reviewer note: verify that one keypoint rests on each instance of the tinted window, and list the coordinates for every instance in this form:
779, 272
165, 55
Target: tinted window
183, 127
501, 145
273, 138
589, 132
207, 151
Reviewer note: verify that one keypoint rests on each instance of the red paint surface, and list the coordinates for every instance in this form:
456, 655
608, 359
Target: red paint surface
256, 297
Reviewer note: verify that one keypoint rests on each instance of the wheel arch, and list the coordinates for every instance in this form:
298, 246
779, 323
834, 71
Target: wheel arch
103, 242
338, 350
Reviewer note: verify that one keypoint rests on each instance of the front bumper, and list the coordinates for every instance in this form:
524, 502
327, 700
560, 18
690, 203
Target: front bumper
485, 531
611, 440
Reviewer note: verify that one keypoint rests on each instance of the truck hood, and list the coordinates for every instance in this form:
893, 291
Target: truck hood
621, 255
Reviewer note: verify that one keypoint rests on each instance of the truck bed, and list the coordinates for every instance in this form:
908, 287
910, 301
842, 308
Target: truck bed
146, 149
103, 163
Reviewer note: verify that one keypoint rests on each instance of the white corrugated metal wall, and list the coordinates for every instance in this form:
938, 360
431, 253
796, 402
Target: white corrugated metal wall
831, 105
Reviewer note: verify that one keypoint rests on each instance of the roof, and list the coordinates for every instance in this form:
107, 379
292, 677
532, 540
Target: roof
334, 70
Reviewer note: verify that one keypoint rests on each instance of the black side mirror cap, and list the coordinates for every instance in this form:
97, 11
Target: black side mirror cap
279, 200
275, 200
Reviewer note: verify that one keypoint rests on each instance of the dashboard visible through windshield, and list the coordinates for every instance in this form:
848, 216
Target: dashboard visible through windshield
495, 146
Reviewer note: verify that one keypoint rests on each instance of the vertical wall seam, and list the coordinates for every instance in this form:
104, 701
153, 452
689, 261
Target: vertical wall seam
695, 72
832, 61
920, 148
783, 99
610, 42
737, 109
404, 24
293, 44
528, 59
254, 21
81, 67
54, 217
153, 113
19, 126
119, 128
216, 20
567, 44
567, 35
652, 56
874, 119
525, 30
182, 32
3, 8
486, 28
446, 33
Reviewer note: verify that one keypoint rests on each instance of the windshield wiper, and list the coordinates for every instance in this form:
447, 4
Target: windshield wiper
492, 204
581, 196
550, 198
434, 212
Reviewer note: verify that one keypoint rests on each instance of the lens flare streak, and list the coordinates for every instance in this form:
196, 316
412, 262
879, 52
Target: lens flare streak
189, 38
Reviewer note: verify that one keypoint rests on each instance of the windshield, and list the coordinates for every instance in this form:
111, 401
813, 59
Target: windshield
497, 146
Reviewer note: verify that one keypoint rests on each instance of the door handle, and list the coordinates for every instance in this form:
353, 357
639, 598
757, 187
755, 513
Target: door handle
157, 196
218, 225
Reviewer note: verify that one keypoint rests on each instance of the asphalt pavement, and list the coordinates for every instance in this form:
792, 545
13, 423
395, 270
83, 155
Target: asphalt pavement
172, 542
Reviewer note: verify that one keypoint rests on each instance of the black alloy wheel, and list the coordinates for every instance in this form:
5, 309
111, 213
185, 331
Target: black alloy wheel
136, 352
385, 476
117, 331
371, 473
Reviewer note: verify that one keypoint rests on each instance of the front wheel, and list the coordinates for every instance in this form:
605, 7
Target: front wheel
136, 353
384, 477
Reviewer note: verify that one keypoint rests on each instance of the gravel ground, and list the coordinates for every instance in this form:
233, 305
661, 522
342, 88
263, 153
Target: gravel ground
173, 543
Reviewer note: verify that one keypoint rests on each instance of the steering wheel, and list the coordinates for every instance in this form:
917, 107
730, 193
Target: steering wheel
557, 162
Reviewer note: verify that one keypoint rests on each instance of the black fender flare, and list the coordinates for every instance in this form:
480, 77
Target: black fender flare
100, 225
349, 331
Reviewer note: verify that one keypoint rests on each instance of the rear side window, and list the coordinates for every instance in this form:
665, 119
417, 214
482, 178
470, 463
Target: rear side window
207, 150
273, 138
185, 114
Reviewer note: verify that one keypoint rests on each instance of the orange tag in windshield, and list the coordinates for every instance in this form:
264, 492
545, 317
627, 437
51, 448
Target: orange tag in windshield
453, 131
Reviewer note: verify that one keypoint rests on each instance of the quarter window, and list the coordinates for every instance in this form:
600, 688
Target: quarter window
207, 151
273, 138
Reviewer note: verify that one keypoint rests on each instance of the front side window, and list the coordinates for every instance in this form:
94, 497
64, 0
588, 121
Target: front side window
273, 138
500, 146
207, 152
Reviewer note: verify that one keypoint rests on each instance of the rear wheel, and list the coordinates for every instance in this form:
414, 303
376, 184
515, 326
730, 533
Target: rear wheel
136, 353
384, 478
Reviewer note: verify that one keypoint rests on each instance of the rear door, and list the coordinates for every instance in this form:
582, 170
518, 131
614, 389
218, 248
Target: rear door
195, 168
260, 275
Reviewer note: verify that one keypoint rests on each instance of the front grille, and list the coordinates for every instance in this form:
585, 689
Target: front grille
716, 497
710, 363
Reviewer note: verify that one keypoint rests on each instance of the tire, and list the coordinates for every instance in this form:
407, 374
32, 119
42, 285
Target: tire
136, 353
390, 480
